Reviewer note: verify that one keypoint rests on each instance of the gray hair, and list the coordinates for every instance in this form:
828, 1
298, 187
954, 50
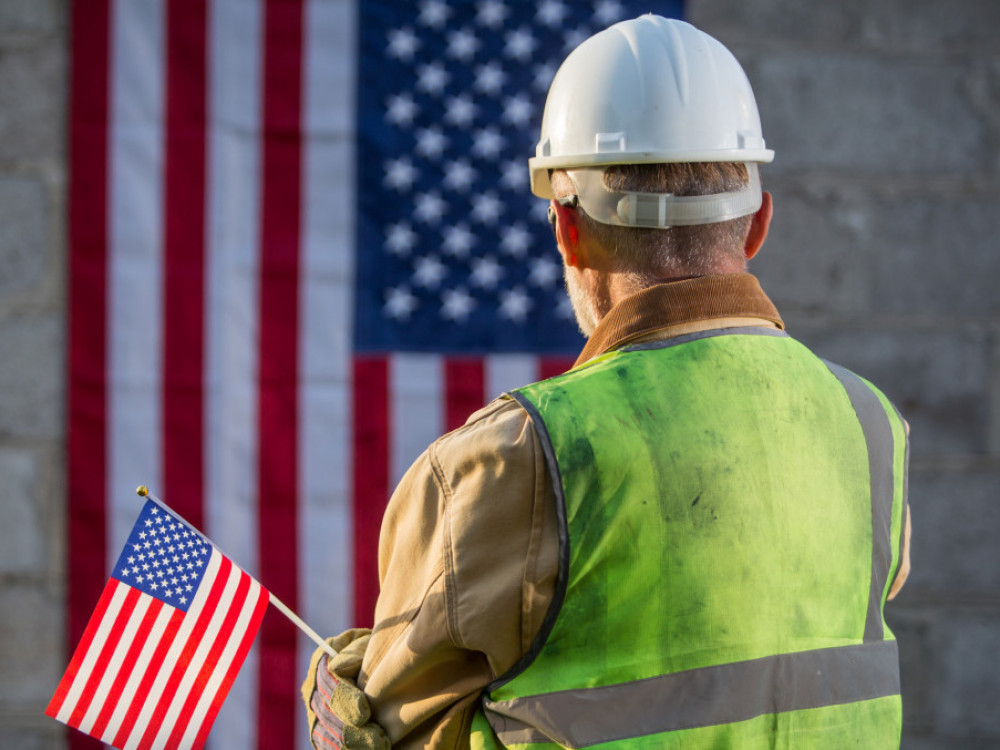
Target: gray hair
678, 251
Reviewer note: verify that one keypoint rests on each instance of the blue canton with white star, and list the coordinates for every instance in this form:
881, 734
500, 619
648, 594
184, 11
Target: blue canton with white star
454, 252
163, 557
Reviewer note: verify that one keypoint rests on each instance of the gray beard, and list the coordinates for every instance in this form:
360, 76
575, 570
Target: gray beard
582, 309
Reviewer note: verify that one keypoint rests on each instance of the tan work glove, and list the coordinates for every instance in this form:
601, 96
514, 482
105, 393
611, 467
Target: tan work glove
338, 710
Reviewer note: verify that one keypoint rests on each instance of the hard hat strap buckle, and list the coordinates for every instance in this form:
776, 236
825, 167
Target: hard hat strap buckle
662, 210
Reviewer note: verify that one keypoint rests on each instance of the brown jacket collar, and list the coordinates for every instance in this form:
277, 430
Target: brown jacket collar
676, 303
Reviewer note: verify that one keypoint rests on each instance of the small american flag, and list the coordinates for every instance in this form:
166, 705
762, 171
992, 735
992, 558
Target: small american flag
164, 644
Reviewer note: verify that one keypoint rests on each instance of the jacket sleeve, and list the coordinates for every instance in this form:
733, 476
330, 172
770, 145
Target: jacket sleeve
904, 565
467, 559
903, 572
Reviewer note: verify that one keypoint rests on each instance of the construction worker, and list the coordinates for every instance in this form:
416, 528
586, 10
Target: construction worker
688, 539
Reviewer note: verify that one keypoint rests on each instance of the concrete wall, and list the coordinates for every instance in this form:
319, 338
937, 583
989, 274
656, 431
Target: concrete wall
885, 115
33, 83
885, 256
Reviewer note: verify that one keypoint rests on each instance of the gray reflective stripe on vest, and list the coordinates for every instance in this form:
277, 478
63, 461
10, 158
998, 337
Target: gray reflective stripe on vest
878, 435
719, 694
687, 338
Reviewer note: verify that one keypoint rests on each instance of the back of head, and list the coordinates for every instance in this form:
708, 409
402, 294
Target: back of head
672, 251
653, 125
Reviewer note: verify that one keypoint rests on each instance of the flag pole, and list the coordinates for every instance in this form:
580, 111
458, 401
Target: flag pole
301, 625
143, 491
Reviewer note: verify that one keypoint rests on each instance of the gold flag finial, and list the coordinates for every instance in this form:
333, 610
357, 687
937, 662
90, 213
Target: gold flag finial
142, 490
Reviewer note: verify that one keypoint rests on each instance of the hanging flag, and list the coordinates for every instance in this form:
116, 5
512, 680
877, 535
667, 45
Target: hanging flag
459, 290
164, 644
301, 247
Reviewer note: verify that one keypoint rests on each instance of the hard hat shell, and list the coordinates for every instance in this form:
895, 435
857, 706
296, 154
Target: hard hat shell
644, 91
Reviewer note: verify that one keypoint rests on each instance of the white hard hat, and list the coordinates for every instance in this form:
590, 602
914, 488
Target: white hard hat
650, 90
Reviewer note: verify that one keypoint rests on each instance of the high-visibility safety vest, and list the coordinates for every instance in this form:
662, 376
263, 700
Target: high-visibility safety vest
731, 511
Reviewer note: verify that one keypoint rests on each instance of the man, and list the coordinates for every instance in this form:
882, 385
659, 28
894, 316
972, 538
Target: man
688, 539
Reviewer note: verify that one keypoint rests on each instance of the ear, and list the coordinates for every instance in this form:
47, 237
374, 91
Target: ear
567, 231
759, 226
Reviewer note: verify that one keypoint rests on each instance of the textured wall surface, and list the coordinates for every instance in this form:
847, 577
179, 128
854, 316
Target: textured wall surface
884, 256
33, 83
885, 116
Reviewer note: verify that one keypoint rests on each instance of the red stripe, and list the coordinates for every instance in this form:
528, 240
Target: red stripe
549, 367
87, 309
464, 389
337, 738
81, 650
279, 355
184, 257
166, 639
116, 692
120, 619
234, 668
233, 609
371, 478
183, 662
323, 696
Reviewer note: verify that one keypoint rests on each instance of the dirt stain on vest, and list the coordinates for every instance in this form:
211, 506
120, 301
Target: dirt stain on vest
701, 515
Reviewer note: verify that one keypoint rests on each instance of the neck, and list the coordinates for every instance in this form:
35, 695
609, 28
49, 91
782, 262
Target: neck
608, 289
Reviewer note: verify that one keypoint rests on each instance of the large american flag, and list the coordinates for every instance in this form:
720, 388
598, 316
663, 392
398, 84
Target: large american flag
302, 246
165, 642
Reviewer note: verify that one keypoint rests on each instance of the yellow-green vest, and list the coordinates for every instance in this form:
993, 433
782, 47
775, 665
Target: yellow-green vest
731, 511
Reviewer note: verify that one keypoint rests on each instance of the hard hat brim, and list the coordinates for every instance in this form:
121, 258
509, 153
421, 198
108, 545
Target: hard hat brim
540, 166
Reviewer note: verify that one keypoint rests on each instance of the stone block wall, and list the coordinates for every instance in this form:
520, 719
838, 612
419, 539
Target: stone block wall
885, 116
33, 80
884, 256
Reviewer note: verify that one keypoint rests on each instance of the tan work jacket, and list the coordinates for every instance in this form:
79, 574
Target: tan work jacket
468, 550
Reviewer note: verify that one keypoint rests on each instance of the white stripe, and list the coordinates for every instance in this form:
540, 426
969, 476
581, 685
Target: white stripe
145, 657
232, 245
233, 260
416, 416
170, 660
87, 666
103, 693
505, 372
226, 658
327, 314
135, 275
192, 670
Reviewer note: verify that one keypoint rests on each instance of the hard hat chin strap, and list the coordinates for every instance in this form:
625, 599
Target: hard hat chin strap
662, 210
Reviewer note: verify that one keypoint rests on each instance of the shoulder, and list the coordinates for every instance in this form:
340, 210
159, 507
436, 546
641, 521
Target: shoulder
494, 441
856, 384
502, 414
